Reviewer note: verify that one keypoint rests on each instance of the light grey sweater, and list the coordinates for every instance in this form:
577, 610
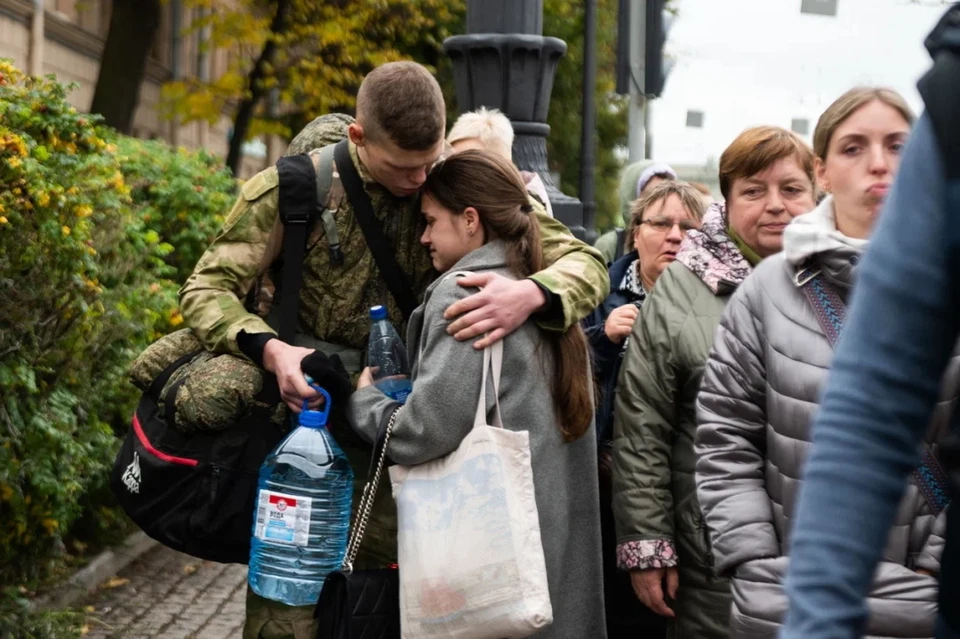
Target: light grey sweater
439, 413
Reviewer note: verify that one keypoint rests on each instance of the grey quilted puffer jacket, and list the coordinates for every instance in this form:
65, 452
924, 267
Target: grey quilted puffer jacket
758, 399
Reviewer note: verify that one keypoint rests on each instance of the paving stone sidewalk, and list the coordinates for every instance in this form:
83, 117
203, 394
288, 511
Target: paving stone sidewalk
170, 595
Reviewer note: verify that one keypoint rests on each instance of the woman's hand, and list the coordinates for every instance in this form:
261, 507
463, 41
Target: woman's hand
648, 586
620, 322
366, 378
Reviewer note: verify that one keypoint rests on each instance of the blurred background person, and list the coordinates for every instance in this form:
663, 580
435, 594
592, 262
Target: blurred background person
491, 130
762, 384
704, 191
658, 225
635, 178
767, 178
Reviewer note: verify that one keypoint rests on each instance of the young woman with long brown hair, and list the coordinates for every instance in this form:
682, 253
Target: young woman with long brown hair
478, 219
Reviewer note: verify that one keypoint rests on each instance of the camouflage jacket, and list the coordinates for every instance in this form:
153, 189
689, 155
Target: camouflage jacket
334, 300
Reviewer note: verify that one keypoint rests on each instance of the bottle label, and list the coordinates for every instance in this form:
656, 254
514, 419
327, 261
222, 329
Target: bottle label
396, 387
400, 395
283, 518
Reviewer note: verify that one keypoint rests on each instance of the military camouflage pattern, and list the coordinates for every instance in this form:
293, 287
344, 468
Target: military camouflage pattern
335, 301
213, 391
324, 130
161, 354
268, 619
218, 391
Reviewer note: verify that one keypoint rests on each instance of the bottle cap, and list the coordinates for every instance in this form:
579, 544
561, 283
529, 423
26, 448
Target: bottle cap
313, 418
316, 418
378, 313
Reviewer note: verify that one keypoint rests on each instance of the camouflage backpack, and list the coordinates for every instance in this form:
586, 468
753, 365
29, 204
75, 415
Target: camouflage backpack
188, 468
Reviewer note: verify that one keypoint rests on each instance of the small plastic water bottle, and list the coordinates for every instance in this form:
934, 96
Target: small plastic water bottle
303, 512
387, 356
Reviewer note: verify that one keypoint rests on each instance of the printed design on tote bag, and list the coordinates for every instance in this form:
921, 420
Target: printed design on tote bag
433, 510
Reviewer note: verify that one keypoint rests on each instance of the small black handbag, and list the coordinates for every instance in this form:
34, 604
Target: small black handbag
362, 604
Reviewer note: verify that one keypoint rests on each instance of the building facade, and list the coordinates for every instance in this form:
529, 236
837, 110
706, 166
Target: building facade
66, 38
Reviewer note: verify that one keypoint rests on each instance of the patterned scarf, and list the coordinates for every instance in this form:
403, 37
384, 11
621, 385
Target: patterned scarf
631, 284
712, 255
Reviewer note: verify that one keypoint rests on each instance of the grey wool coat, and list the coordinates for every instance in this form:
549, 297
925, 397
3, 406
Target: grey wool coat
757, 403
439, 413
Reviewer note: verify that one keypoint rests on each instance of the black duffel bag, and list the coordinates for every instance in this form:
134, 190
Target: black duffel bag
193, 492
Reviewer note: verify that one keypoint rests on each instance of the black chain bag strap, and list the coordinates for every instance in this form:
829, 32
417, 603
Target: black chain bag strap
362, 604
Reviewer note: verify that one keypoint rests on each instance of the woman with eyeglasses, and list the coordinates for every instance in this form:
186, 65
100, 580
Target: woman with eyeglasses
761, 388
766, 178
659, 220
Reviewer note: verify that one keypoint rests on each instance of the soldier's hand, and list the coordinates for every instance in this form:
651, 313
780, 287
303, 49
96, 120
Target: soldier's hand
499, 309
283, 360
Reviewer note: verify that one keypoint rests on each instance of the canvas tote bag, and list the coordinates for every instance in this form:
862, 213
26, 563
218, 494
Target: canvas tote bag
470, 555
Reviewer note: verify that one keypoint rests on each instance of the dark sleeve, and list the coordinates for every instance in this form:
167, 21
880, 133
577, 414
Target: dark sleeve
552, 312
880, 396
252, 345
605, 351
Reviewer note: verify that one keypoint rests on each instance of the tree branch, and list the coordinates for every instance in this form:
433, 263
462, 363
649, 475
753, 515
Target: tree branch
247, 106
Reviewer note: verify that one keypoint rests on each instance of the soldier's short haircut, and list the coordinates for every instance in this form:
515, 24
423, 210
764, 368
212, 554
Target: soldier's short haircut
402, 101
489, 126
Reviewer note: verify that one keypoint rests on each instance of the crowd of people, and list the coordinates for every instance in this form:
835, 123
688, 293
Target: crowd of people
668, 378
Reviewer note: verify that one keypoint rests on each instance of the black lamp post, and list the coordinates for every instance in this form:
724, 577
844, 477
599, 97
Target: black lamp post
505, 62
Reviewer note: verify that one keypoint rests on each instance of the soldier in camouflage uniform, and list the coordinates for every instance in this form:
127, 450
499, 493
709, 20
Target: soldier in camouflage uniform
400, 112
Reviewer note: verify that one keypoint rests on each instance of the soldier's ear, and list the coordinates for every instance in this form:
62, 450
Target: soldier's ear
355, 131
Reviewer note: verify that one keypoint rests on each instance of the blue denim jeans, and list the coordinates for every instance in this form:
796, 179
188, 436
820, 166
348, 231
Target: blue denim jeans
943, 632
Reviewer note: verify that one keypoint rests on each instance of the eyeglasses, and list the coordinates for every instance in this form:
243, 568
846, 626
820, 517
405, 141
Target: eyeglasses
665, 224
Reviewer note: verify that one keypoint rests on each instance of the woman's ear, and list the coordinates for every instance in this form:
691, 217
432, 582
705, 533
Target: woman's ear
820, 168
471, 220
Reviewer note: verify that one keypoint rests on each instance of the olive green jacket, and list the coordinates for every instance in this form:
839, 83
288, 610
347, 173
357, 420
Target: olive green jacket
659, 522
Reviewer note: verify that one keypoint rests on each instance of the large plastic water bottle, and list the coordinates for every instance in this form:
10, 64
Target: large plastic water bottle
302, 519
387, 356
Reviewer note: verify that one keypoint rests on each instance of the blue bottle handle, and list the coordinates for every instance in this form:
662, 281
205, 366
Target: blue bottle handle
325, 413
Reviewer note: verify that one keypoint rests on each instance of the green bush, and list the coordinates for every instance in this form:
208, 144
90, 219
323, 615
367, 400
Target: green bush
181, 195
88, 278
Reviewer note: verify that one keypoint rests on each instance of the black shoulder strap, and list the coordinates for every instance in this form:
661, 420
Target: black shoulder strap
395, 278
298, 200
